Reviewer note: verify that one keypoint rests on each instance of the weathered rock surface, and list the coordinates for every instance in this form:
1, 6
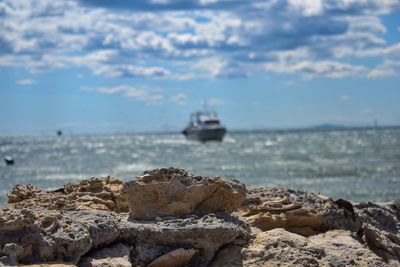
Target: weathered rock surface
177, 219
93, 194
343, 247
48, 235
33, 230
78, 232
176, 192
373, 226
118, 255
279, 247
52, 264
296, 211
176, 258
380, 229
205, 233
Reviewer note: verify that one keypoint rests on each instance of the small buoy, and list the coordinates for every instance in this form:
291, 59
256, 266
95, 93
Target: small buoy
9, 160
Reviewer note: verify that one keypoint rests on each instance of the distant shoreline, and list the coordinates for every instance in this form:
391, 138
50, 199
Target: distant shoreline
318, 128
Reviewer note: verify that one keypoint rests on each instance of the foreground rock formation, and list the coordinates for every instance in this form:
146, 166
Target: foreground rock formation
168, 217
176, 192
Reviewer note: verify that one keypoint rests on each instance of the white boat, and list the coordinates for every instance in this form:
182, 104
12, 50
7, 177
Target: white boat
204, 126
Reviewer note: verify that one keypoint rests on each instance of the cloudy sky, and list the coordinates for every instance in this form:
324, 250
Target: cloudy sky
144, 65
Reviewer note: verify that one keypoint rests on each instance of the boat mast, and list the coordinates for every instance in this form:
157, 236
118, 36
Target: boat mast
205, 105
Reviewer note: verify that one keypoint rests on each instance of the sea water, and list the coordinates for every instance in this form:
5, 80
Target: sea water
358, 165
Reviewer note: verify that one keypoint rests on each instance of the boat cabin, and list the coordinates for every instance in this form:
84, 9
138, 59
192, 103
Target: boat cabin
204, 117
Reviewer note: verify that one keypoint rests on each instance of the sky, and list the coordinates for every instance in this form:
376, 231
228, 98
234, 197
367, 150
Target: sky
94, 66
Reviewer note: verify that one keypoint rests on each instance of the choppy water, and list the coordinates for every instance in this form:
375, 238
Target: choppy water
356, 165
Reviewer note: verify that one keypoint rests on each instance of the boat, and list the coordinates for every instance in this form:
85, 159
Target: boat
204, 126
9, 160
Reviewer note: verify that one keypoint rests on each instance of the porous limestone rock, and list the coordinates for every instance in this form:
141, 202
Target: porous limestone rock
21, 192
86, 221
11, 252
177, 258
176, 192
344, 246
309, 214
48, 235
384, 244
296, 211
231, 256
281, 248
205, 233
380, 226
95, 194
115, 256
51, 264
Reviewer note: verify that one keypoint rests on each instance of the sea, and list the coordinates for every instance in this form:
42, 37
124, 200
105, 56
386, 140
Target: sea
357, 165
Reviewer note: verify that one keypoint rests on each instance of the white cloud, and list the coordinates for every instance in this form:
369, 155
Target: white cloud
312, 69
206, 2
388, 68
205, 39
210, 67
307, 7
136, 93
381, 73
26, 82
393, 50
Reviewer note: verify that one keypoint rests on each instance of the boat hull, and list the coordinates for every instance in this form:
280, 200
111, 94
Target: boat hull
203, 135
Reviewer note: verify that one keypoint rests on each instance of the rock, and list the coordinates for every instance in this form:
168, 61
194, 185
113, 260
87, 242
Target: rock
380, 225
115, 256
205, 233
385, 217
23, 227
309, 214
175, 192
22, 192
52, 235
176, 258
52, 264
281, 248
294, 210
384, 244
12, 251
95, 193
347, 206
70, 235
179, 219
230, 255
342, 245
99, 193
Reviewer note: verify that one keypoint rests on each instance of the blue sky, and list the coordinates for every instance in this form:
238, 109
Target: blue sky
144, 65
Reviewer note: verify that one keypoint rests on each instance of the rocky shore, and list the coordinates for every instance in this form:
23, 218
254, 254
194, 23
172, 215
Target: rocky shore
169, 217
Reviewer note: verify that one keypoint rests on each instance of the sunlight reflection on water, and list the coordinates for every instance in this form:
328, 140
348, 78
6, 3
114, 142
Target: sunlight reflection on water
355, 165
